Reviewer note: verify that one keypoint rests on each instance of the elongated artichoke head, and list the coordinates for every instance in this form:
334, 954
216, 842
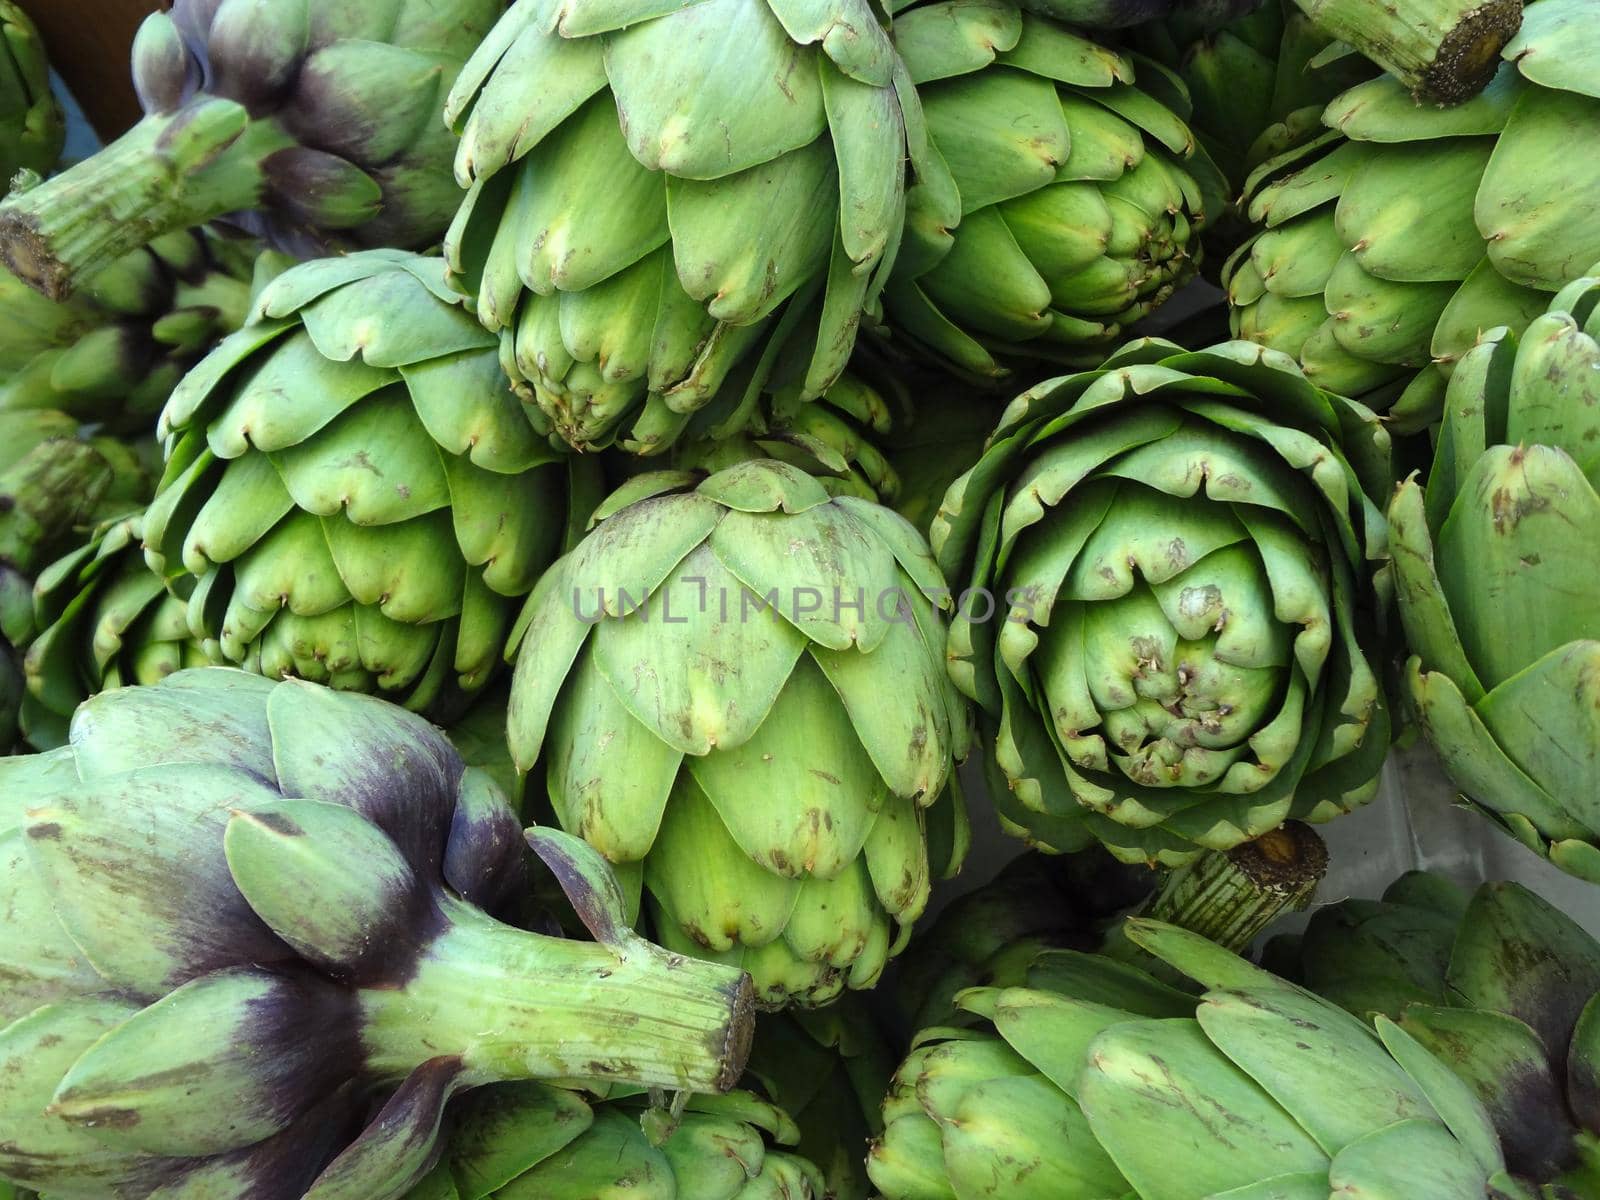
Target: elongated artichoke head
1063, 202
315, 125
352, 493
1385, 247
1495, 574
768, 662
1172, 595
32, 126
1502, 986
247, 951
666, 200
1095, 1080
531, 1139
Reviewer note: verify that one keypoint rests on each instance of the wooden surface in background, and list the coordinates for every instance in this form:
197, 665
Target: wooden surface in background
89, 42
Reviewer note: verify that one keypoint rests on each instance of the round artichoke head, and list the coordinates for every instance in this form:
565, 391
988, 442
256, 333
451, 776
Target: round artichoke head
317, 126
751, 156
1095, 1080
248, 951
767, 660
1385, 246
32, 126
1502, 986
1172, 596
1495, 575
352, 493
1061, 202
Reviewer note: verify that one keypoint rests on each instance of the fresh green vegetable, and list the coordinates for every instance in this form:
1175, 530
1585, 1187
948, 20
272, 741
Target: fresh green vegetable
247, 951
1172, 585
32, 126
737, 685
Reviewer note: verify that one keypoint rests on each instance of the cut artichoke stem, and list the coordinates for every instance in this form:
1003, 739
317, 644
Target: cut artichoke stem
1444, 51
1231, 897
171, 171
516, 1005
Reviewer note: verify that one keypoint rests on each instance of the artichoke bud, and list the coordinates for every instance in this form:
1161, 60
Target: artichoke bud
163, 71
484, 857
222, 1062
370, 900
255, 49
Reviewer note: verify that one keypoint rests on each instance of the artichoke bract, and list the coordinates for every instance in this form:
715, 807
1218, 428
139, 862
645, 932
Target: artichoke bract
1502, 986
352, 493
104, 620
1172, 602
32, 126
752, 159
766, 661
111, 354
1379, 296
1095, 1081
1063, 206
248, 951
316, 126
524, 1140
1494, 570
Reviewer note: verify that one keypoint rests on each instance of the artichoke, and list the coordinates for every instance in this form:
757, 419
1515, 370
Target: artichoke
1494, 568
766, 661
521, 1140
1379, 295
1063, 207
718, 134
988, 937
316, 126
111, 354
32, 126
1171, 608
246, 951
104, 620
1502, 986
829, 1068
1258, 80
1095, 1081
352, 493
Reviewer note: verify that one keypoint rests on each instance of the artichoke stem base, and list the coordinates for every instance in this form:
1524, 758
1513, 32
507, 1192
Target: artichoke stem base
170, 172
1444, 51
515, 1005
1231, 897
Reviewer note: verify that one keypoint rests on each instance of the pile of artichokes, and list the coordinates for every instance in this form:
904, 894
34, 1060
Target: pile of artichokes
538, 537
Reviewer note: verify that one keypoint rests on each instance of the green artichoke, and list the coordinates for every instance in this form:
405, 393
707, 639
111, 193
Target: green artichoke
352, 493
316, 126
766, 661
518, 1141
247, 952
1502, 986
1495, 573
1171, 602
1096, 1082
829, 1068
1258, 80
32, 126
988, 937
1064, 206
111, 354
1386, 246
718, 134
104, 620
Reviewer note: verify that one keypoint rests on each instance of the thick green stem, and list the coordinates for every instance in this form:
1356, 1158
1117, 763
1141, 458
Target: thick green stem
171, 171
1445, 51
1230, 898
514, 1005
